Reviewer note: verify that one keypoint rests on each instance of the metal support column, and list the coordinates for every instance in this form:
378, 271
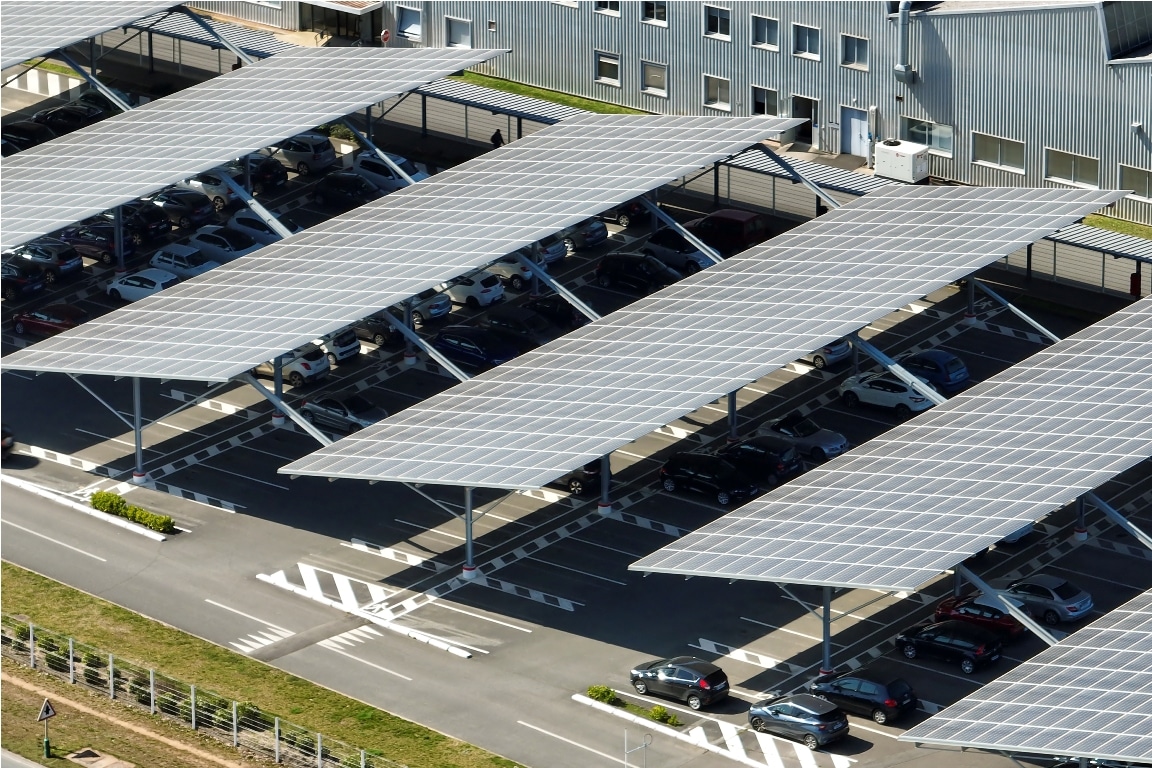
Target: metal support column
258, 209
1080, 532
605, 505
216, 35
828, 199
278, 389
899, 371
1011, 606
660, 215
367, 144
970, 312
855, 355
957, 584
534, 291
409, 348
1119, 519
118, 238
432, 352
716, 183
1016, 311
732, 434
1028, 265
548, 280
107, 92
281, 406
139, 476
469, 571
423, 115
826, 620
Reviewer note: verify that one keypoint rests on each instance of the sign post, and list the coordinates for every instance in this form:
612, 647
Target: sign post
46, 711
385, 36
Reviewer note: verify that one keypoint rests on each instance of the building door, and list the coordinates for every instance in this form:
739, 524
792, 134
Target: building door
853, 132
808, 109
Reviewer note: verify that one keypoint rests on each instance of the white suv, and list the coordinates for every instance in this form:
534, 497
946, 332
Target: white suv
513, 272
302, 365
479, 289
886, 390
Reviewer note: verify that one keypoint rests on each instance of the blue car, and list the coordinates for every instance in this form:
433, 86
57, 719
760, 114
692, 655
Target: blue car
471, 347
943, 370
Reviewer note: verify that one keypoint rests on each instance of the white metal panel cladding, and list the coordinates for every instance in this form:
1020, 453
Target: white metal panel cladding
215, 326
32, 28
1089, 696
922, 497
527, 422
138, 152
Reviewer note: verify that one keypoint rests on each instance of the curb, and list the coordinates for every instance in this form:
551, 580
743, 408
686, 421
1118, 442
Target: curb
63, 500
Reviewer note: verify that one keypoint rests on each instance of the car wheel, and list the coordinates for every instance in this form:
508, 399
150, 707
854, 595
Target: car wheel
296, 379
851, 399
353, 428
516, 282
51, 277
624, 220
137, 238
723, 498
257, 188
219, 204
379, 339
669, 484
303, 169
417, 318
576, 486
691, 268
308, 416
570, 244
819, 362
694, 702
331, 360
902, 411
818, 455
106, 259
473, 302
640, 686
771, 481
967, 666
604, 281
811, 742
1051, 618
757, 724
909, 651
19, 328
114, 294
879, 716
184, 223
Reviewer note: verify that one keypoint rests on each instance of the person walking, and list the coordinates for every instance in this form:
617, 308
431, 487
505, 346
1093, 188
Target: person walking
497, 139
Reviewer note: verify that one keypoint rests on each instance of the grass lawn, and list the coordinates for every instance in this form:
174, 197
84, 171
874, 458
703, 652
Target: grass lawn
232, 675
589, 105
1118, 225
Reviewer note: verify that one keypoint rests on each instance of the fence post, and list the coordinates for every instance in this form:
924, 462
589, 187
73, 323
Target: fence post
363, 759
192, 688
151, 691
276, 741
71, 663
111, 678
235, 727
31, 645
319, 750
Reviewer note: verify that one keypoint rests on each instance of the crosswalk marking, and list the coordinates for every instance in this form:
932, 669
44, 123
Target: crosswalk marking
345, 587
264, 637
805, 756
768, 747
732, 738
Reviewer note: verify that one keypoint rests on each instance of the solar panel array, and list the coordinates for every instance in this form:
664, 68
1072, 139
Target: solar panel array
32, 29
532, 419
138, 152
1088, 696
920, 498
220, 324
254, 42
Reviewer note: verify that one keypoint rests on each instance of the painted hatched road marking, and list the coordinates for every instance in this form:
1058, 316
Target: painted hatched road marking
351, 638
749, 657
769, 750
202, 455
219, 406
394, 554
345, 587
264, 637
731, 734
652, 525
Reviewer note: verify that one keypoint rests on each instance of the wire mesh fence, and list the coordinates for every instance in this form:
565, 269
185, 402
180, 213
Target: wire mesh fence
241, 724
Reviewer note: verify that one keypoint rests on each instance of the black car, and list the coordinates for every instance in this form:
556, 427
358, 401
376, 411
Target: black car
7, 441
25, 134
264, 173
686, 678
800, 716
474, 347
94, 98
627, 214
186, 208
635, 272
344, 190
21, 280
143, 222
96, 241
956, 641
767, 459
520, 325
558, 311
55, 258
376, 329
580, 481
69, 117
879, 697
708, 474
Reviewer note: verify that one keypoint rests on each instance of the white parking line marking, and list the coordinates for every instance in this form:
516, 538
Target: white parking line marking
54, 541
804, 755
573, 743
789, 631
877, 731
1093, 576
108, 439
768, 747
574, 570
370, 664
245, 615
605, 546
732, 741
975, 683
442, 604
244, 477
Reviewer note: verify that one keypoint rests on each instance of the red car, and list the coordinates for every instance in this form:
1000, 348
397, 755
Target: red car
982, 610
50, 320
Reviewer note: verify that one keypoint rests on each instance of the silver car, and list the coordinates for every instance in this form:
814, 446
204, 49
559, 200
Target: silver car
245, 220
347, 413
811, 439
304, 153
1049, 597
428, 305
673, 249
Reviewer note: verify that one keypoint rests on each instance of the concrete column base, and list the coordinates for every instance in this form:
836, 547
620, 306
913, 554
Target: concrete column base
469, 572
604, 509
1079, 534
278, 419
969, 319
139, 478
732, 439
409, 358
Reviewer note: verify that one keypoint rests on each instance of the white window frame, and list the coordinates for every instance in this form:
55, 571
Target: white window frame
653, 20
723, 106
448, 21
752, 100
906, 135
1135, 193
720, 10
607, 56
998, 165
805, 54
400, 9
663, 92
606, 10
765, 46
1070, 182
854, 64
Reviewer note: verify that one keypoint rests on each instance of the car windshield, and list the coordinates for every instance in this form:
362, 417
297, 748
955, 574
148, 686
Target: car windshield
1066, 591
357, 404
238, 240
491, 281
406, 165
198, 259
954, 365
426, 294
898, 687
803, 427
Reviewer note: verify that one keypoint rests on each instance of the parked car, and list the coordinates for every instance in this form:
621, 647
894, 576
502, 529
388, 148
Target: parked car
300, 366
376, 329
7, 441
880, 697
943, 370
55, 258
7, 148
247, 222
304, 153
885, 390
182, 260
673, 249
264, 173
581, 481
94, 98
558, 311
800, 716
730, 230
512, 272
635, 272
347, 413
142, 221
185, 208
25, 134
811, 439
211, 183
984, 611
1018, 534
585, 234
96, 241
343, 346
767, 459
959, 642
831, 353
707, 474
627, 214
429, 304
343, 190
473, 347
551, 249
1049, 597
68, 118
479, 289
685, 678
221, 244
21, 280
140, 285
520, 325
376, 171
49, 320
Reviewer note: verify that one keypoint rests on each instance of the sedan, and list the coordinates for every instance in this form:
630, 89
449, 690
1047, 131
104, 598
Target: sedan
673, 249
707, 474
347, 413
800, 716
96, 241
955, 641
222, 244
983, 611
21, 280
428, 305
343, 191
184, 207
247, 222
943, 370
886, 391
263, 172
627, 214
55, 258
879, 697
685, 678
767, 459
473, 347
811, 439
50, 320
831, 353
142, 221
211, 183
69, 117
141, 284
586, 234
182, 261
1050, 597
380, 174
376, 329
25, 134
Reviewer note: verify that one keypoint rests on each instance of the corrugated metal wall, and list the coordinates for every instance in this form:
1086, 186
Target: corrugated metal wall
286, 16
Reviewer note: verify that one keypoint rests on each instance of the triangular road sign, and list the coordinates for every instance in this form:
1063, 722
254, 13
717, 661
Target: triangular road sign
46, 711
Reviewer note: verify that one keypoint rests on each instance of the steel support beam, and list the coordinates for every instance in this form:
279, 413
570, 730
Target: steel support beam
409, 348
213, 33
279, 404
828, 199
256, 207
1119, 519
733, 436
573, 299
365, 142
604, 507
1020, 614
469, 571
93, 81
1015, 310
898, 370
660, 215
826, 643
434, 353
138, 475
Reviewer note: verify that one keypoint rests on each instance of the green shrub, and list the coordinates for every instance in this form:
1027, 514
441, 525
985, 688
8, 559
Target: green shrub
106, 501
114, 504
139, 689
602, 693
47, 644
93, 678
170, 704
23, 633
94, 660
56, 661
660, 714
250, 716
341, 131
306, 743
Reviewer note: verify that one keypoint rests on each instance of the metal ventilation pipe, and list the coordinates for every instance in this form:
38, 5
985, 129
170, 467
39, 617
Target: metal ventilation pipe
904, 71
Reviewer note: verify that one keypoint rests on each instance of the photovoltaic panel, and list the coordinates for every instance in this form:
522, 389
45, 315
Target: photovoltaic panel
138, 152
222, 323
1088, 696
33, 28
534, 418
920, 498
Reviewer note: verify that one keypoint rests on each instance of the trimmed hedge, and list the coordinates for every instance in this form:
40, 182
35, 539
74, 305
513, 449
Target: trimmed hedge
114, 504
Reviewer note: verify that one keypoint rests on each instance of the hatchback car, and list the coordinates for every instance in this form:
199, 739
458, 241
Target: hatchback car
300, 366
480, 289
221, 244
264, 173
343, 190
49, 320
880, 697
800, 716
211, 183
943, 370
341, 347
959, 642
304, 153
381, 176
247, 222
634, 272
21, 280
586, 234
512, 272
673, 249
529, 329
558, 311
185, 208
686, 678
551, 249
25, 134
831, 353
883, 390
627, 214
812, 440
142, 221
707, 474
472, 347
983, 611
376, 329
428, 305
730, 230
93, 97
96, 241
55, 258
1050, 597
140, 285
767, 459
182, 261
580, 481
70, 117
347, 413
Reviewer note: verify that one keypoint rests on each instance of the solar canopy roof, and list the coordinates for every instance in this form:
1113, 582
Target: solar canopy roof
920, 498
33, 28
222, 323
138, 152
1088, 696
532, 419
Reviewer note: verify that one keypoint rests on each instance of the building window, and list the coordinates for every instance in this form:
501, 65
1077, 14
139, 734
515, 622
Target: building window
716, 22
1136, 179
716, 92
806, 41
566, 3
765, 101
654, 12
765, 32
937, 137
654, 78
408, 22
458, 32
611, 7
1002, 153
607, 68
854, 52
1071, 169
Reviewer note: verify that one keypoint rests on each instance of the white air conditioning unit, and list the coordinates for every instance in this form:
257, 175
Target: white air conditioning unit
901, 160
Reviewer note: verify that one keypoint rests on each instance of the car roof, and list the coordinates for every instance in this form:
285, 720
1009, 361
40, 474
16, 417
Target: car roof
813, 704
732, 213
513, 312
991, 601
939, 355
156, 274
696, 665
957, 627
1041, 579
774, 442
863, 674
178, 249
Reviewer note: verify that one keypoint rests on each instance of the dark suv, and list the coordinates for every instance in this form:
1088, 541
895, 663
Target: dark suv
867, 693
21, 279
767, 459
142, 221
955, 641
730, 230
520, 326
686, 678
55, 258
636, 272
708, 474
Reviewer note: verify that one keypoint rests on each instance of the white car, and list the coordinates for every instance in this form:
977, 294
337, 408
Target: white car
140, 285
513, 272
211, 183
885, 390
222, 244
480, 289
343, 346
428, 305
182, 261
375, 170
245, 220
300, 366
